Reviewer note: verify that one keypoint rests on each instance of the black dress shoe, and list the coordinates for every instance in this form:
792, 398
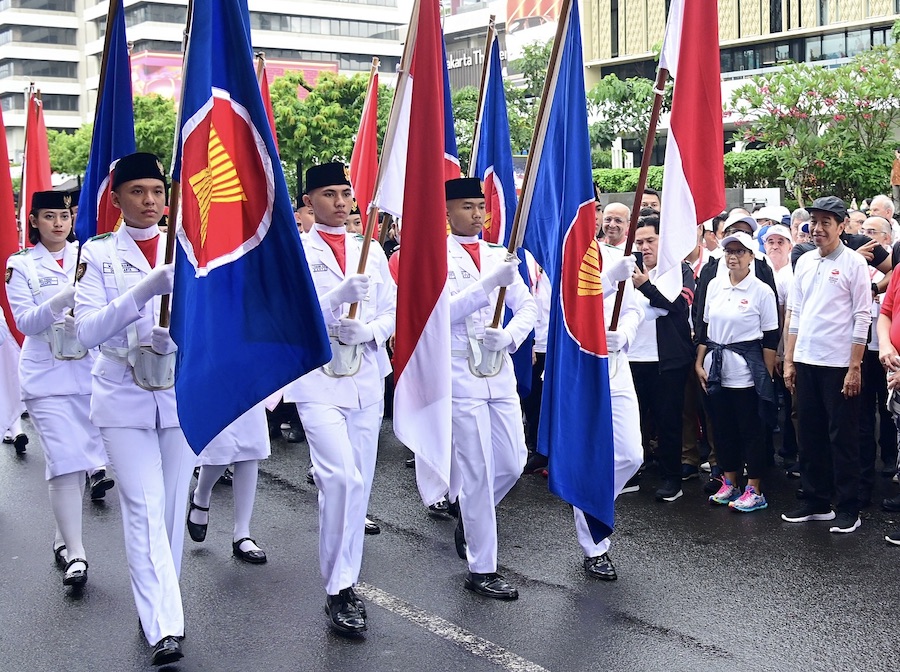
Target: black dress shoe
372, 527
345, 616
166, 651
75, 577
227, 477
59, 556
440, 509
601, 567
891, 504
196, 530
459, 538
100, 483
20, 442
254, 557
295, 434
310, 475
410, 462
357, 600
536, 463
491, 585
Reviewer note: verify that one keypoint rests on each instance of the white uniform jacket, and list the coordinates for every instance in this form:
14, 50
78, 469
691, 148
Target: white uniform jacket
630, 316
101, 318
40, 373
470, 303
378, 309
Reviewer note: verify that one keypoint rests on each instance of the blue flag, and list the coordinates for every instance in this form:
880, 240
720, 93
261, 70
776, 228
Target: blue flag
451, 152
245, 314
576, 415
113, 135
494, 167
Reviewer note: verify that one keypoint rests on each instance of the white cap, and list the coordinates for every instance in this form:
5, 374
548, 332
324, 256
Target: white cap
747, 219
778, 230
741, 238
773, 212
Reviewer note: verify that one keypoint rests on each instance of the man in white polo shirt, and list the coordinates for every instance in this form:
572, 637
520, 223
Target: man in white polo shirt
830, 315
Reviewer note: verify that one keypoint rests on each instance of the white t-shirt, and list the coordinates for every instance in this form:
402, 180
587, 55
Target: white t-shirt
644, 347
737, 313
783, 280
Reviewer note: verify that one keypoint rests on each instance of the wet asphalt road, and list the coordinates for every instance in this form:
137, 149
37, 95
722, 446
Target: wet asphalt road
700, 588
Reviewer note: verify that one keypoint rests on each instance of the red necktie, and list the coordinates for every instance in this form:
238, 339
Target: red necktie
149, 247
336, 243
60, 262
474, 250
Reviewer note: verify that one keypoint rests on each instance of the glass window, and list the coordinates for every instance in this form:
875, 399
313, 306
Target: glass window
813, 48
858, 41
834, 46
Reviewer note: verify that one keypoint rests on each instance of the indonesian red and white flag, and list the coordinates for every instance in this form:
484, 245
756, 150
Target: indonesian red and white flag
267, 100
412, 187
364, 161
694, 174
36, 163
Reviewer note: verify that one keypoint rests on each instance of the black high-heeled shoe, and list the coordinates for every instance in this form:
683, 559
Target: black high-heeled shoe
196, 530
75, 577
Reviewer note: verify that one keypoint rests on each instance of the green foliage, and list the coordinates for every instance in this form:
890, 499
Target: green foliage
601, 158
465, 110
154, 131
755, 168
623, 180
69, 151
323, 126
533, 67
154, 126
830, 129
623, 108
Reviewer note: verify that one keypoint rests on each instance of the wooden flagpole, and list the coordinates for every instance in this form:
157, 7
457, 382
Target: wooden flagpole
22, 216
260, 66
372, 212
540, 121
485, 67
175, 194
659, 89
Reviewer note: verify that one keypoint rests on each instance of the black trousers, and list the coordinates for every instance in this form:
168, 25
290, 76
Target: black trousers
740, 435
661, 397
531, 405
788, 436
828, 433
873, 409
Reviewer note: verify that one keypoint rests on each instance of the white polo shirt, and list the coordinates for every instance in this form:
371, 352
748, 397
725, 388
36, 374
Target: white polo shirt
830, 303
736, 313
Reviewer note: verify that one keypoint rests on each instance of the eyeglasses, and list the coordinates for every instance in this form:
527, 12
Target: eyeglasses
610, 220
737, 252
872, 232
734, 229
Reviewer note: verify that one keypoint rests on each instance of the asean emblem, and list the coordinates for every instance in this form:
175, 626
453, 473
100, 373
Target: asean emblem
227, 185
581, 290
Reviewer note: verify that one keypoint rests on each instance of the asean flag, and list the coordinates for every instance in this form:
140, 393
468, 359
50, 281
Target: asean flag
694, 184
245, 314
557, 207
113, 135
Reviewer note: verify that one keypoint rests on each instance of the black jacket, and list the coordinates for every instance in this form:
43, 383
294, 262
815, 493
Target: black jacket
673, 332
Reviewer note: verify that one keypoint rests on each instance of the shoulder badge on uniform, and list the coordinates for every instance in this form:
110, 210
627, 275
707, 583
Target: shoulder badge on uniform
497, 245
8, 275
20, 252
79, 272
102, 236
359, 236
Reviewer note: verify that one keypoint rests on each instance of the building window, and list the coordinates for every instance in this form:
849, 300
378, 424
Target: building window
38, 35
858, 41
155, 13
776, 21
46, 5
52, 102
337, 27
39, 69
156, 45
614, 27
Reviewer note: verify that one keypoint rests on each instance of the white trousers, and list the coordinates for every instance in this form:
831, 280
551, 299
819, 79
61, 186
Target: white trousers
627, 453
487, 459
343, 445
153, 470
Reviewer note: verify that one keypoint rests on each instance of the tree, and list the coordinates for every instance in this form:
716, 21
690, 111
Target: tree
830, 130
322, 127
154, 130
154, 126
622, 108
465, 111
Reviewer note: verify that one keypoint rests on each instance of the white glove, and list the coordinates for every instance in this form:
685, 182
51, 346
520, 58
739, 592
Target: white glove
158, 281
161, 342
621, 270
502, 275
615, 341
497, 339
355, 332
63, 299
352, 289
69, 321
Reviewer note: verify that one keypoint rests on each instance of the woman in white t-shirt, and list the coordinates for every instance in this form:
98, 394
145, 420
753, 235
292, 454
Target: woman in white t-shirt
735, 366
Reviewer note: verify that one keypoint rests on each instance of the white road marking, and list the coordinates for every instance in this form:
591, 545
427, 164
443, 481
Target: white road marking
469, 641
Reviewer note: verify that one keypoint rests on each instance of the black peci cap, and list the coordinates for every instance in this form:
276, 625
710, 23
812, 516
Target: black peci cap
830, 204
51, 200
326, 175
138, 166
463, 187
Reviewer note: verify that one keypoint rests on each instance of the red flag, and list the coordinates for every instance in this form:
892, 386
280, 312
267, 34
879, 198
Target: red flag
364, 162
36, 164
694, 185
9, 236
267, 101
412, 187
